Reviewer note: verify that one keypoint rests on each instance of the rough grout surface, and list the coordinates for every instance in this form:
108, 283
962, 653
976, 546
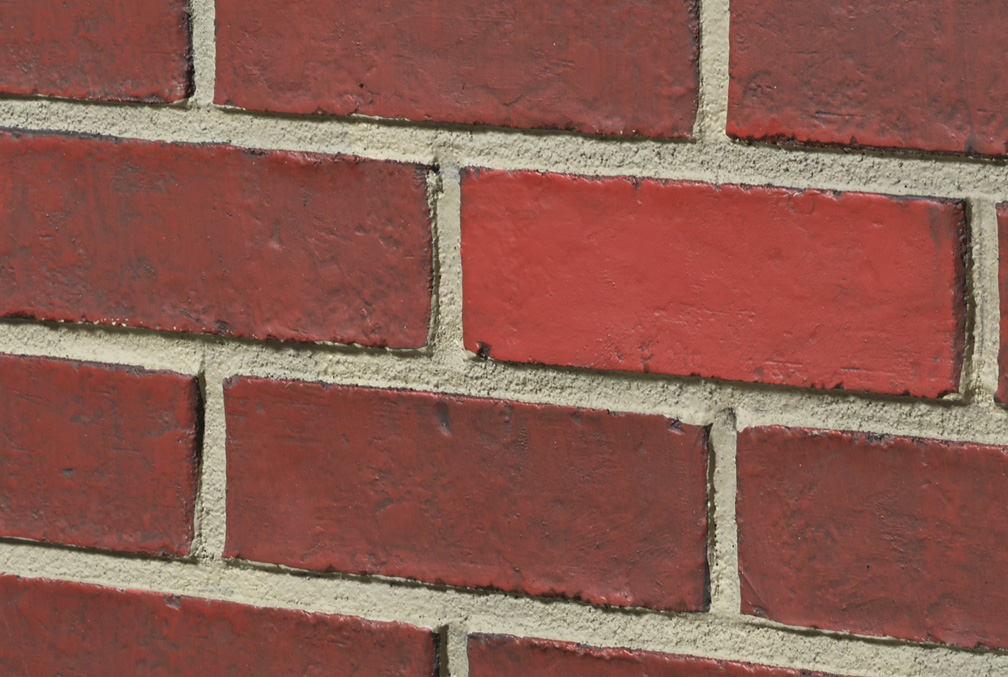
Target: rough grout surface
445, 367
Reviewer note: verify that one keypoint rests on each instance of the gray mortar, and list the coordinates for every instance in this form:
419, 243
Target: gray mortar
446, 367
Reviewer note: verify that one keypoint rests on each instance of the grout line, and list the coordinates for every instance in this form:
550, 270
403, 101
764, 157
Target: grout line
211, 499
690, 400
982, 371
204, 51
723, 531
447, 340
457, 651
800, 168
744, 639
712, 108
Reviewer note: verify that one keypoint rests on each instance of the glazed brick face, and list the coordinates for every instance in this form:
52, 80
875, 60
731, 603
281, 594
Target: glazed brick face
99, 49
618, 67
801, 288
536, 499
99, 457
923, 75
875, 535
49, 627
215, 239
494, 655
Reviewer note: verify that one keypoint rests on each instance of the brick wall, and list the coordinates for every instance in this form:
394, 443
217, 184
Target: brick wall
467, 338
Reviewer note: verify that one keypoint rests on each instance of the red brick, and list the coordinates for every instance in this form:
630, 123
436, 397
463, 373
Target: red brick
49, 627
874, 535
622, 67
97, 456
1002, 216
536, 499
918, 74
101, 49
494, 655
802, 288
215, 239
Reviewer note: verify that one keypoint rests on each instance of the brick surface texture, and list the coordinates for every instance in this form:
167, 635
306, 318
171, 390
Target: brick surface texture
824, 290
918, 75
878, 535
469, 492
504, 337
215, 239
98, 457
622, 67
100, 49
493, 655
51, 627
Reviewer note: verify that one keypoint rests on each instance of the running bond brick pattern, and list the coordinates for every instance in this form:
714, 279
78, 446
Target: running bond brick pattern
50, 627
469, 492
99, 49
619, 67
917, 74
823, 290
457, 338
215, 239
99, 457
878, 535
492, 655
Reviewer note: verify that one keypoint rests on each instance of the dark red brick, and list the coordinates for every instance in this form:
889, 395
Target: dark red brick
543, 500
50, 627
495, 655
215, 239
98, 456
100, 49
620, 67
918, 74
874, 535
1002, 216
801, 288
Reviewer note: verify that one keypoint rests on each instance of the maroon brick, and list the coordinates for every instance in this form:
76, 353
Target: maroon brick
1002, 217
772, 285
50, 627
918, 74
494, 655
620, 67
100, 49
543, 500
875, 535
97, 456
215, 239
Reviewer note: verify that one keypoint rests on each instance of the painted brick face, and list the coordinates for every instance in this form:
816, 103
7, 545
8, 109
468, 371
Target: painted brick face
493, 655
874, 535
100, 457
100, 49
215, 239
537, 499
770, 285
620, 67
919, 74
49, 627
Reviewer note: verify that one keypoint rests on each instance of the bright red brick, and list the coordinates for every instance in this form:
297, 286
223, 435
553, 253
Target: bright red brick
802, 288
495, 655
100, 49
1002, 216
50, 627
98, 456
917, 74
215, 239
874, 535
618, 67
543, 500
